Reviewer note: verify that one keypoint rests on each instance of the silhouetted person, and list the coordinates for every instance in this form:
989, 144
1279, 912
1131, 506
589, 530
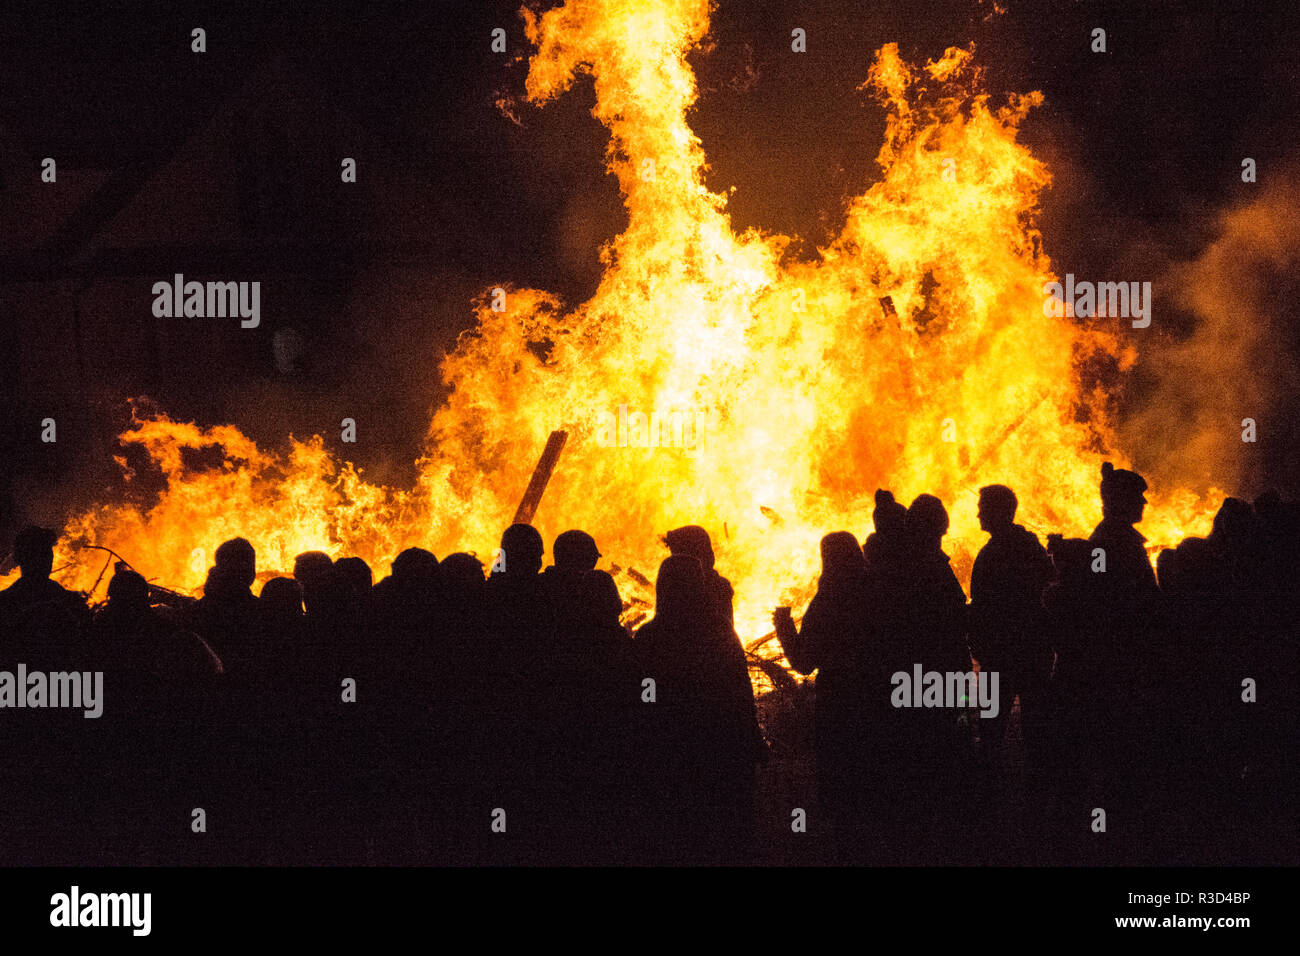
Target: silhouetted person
355, 621
1264, 759
887, 544
1127, 586
311, 570
284, 633
132, 637
52, 766
1234, 542
700, 732
281, 600
326, 618
162, 725
330, 780
593, 689
834, 640
356, 577
462, 588
1279, 548
576, 550
411, 594
1008, 636
323, 607
616, 689
42, 624
1128, 603
465, 704
1007, 622
521, 655
575, 554
694, 541
1074, 709
228, 616
356, 614
937, 761
516, 596
369, 732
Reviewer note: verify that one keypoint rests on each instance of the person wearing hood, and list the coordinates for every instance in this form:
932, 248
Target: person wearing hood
885, 546
694, 541
699, 728
834, 641
935, 756
228, 616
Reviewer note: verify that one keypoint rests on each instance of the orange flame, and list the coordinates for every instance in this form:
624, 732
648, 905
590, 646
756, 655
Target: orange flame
814, 389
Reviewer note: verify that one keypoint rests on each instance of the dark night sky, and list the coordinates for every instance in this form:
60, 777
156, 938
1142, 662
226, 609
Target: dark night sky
1144, 141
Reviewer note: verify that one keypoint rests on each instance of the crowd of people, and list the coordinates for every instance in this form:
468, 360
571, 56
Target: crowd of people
442, 715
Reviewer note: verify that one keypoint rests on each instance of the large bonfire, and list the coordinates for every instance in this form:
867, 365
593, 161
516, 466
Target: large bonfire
912, 353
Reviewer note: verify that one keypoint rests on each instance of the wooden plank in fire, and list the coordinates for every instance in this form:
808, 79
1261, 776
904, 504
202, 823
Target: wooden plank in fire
1006, 433
541, 477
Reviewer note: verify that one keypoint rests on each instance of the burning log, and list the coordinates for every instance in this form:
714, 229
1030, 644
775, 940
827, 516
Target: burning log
774, 672
157, 593
541, 477
997, 443
640, 578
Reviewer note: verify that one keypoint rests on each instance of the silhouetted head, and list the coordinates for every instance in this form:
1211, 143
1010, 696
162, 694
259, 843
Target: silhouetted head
313, 571
236, 563
355, 575
1268, 505
927, 521
523, 549
415, 568
1187, 568
1279, 521
282, 597
1123, 494
34, 551
841, 555
128, 590
1071, 557
889, 516
462, 576
1235, 526
576, 551
692, 541
679, 589
601, 604
997, 510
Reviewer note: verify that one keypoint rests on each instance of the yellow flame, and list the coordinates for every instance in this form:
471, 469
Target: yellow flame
912, 353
